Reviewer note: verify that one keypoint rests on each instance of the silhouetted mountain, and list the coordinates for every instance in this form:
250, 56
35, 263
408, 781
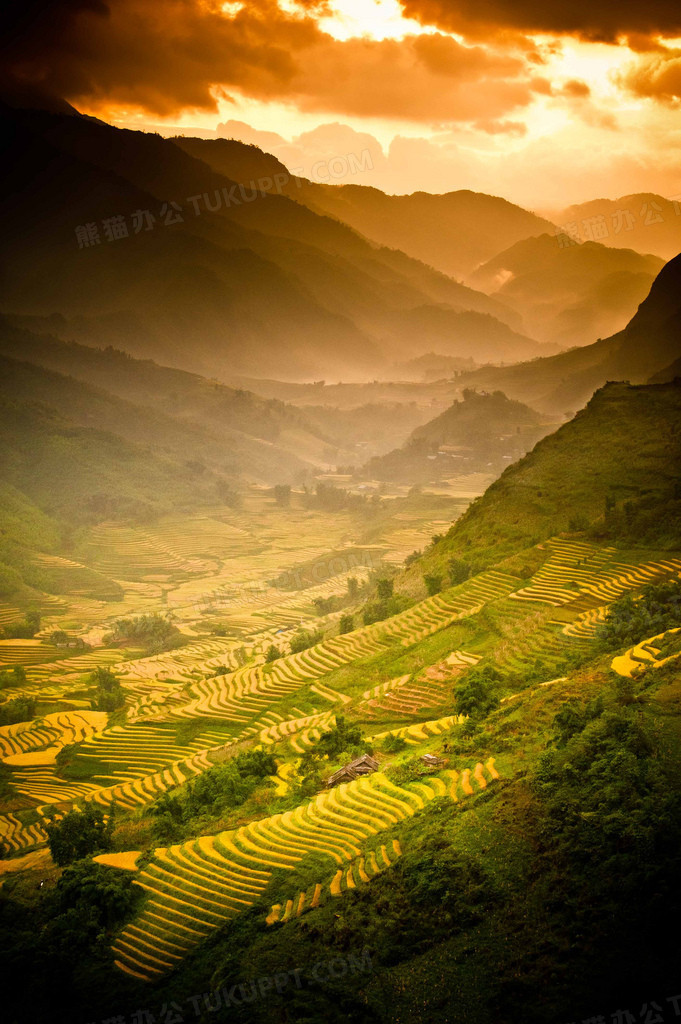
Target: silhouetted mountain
262, 281
650, 343
454, 232
644, 221
569, 294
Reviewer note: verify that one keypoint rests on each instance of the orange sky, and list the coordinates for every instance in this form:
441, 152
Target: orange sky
543, 102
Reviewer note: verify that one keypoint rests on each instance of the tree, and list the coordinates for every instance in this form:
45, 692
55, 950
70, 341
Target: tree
346, 624
338, 739
272, 654
79, 834
353, 588
459, 571
282, 495
433, 583
384, 588
25, 630
475, 695
630, 621
102, 892
17, 677
33, 620
110, 695
302, 639
156, 632
21, 709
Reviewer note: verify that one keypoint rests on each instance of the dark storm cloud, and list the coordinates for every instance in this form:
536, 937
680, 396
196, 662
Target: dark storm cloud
604, 20
163, 57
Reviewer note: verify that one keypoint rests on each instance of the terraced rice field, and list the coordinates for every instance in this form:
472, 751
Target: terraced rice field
134, 751
363, 869
42, 785
195, 887
9, 615
16, 837
579, 570
144, 789
586, 624
76, 579
308, 726
247, 692
419, 732
77, 664
125, 552
52, 730
26, 652
644, 655
404, 697
138, 763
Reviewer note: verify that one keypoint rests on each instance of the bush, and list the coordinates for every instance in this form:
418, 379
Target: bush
15, 677
79, 834
25, 630
223, 787
394, 744
110, 695
433, 584
459, 571
21, 709
476, 695
346, 624
303, 638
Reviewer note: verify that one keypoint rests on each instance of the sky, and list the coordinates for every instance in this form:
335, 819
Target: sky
544, 102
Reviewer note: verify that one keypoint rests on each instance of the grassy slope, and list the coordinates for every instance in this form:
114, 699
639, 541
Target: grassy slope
621, 446
499, 911
483, 428
234, 422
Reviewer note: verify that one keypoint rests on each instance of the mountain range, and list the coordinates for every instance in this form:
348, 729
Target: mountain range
111, 229
648, 348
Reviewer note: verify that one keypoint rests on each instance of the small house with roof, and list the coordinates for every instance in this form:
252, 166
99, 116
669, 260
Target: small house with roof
363, 765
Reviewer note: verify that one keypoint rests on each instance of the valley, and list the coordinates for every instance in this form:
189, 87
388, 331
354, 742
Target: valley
285, 639
340, 520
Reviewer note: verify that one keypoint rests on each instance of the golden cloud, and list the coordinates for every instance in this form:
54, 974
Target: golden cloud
182, 54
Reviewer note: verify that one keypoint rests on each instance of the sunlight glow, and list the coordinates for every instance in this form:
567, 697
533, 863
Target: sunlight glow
373, 19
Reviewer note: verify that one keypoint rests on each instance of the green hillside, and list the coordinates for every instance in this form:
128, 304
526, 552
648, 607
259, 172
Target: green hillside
502, 881
480, 433
611, 471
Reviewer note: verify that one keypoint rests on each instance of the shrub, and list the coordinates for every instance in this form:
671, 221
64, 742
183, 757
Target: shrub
79, 834
110, 695
433, 583
21, 709
303, 639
